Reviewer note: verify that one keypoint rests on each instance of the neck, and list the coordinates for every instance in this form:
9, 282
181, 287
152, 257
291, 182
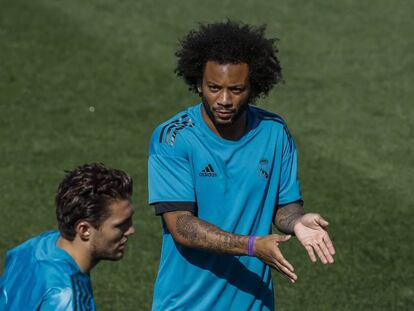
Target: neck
79, 251
231, 132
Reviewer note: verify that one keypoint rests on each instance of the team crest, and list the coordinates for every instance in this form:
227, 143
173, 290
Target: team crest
264, 168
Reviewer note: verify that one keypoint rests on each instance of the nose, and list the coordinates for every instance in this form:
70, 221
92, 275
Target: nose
130, 231
225, 98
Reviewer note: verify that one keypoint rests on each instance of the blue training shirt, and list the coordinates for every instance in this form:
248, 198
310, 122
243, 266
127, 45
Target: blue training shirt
236, 186
41, 276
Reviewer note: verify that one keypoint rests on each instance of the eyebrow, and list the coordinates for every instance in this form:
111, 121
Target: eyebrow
231, 86
129, 219
126, 220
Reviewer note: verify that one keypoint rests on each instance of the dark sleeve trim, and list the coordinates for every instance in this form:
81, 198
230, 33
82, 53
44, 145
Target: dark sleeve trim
163, 207
300, 202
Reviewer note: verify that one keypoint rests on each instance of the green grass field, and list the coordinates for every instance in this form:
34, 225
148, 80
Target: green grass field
348, 69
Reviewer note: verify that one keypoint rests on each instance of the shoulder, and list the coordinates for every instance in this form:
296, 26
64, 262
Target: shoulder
53, 264
270, 120
55, 272
26, 253
31, 243
32, 267
172, 137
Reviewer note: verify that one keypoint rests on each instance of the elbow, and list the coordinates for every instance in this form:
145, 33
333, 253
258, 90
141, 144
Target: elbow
178, 238
280, 228
181, 227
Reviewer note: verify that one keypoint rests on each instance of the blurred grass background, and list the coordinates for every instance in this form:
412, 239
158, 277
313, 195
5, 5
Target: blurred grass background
348, 69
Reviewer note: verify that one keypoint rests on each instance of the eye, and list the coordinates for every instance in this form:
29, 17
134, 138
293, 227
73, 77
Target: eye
213, 88
237, 90
124, 226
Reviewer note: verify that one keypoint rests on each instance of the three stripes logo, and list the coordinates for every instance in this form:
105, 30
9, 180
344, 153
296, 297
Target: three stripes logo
82, 293
208, 171
170, 130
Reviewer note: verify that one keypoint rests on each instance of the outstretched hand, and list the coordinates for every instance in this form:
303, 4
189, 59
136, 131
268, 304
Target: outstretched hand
311, 231
266, 248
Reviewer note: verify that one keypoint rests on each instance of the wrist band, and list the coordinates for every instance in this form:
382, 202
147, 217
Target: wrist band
250, 245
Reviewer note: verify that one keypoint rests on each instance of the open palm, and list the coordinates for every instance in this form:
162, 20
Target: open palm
311, 231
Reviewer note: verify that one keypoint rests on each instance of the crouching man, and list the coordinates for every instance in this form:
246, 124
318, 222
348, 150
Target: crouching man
51, 270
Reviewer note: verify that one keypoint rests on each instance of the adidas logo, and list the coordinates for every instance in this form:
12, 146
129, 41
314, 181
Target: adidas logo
208, 172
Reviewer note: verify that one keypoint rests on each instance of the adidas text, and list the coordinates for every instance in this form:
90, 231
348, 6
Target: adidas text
207, 174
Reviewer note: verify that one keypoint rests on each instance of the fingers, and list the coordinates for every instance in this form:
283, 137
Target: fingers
311, 253
286, 273
322, 222
327, 249
326, 252
329, 244
283, 266
286, 269
320, 253
285, 263
282, 238
323, 249
269, 252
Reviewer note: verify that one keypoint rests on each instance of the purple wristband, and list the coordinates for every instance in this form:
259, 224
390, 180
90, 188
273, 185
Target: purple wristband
250, 245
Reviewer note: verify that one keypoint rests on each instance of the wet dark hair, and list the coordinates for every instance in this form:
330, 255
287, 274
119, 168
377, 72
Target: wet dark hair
85, 194
230, 43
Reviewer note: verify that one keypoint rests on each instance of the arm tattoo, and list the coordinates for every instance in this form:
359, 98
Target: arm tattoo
286, 217
200, 234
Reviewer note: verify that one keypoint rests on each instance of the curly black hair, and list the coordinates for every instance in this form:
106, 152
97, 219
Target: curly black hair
85, 194
230, 43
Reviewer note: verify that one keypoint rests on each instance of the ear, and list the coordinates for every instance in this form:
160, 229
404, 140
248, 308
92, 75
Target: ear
199, 89
83, 230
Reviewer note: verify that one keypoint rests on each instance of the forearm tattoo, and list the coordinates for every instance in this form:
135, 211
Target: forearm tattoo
286, 217
200, 234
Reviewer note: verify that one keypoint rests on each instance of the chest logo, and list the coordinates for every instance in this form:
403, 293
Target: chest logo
264, 168
208, 171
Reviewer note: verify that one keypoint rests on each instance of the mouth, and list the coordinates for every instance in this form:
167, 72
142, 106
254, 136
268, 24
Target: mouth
224, 114
122, 245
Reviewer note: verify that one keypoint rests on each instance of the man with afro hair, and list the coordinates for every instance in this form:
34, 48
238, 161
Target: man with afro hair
221, 172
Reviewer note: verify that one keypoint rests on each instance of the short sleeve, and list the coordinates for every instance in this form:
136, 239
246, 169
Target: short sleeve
169, 179
170, 176
289, 189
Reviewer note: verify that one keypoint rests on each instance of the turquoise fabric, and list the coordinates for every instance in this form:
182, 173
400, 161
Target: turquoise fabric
236, 185
41, 276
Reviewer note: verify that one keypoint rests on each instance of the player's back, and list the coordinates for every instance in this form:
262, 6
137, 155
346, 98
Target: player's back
41, 276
